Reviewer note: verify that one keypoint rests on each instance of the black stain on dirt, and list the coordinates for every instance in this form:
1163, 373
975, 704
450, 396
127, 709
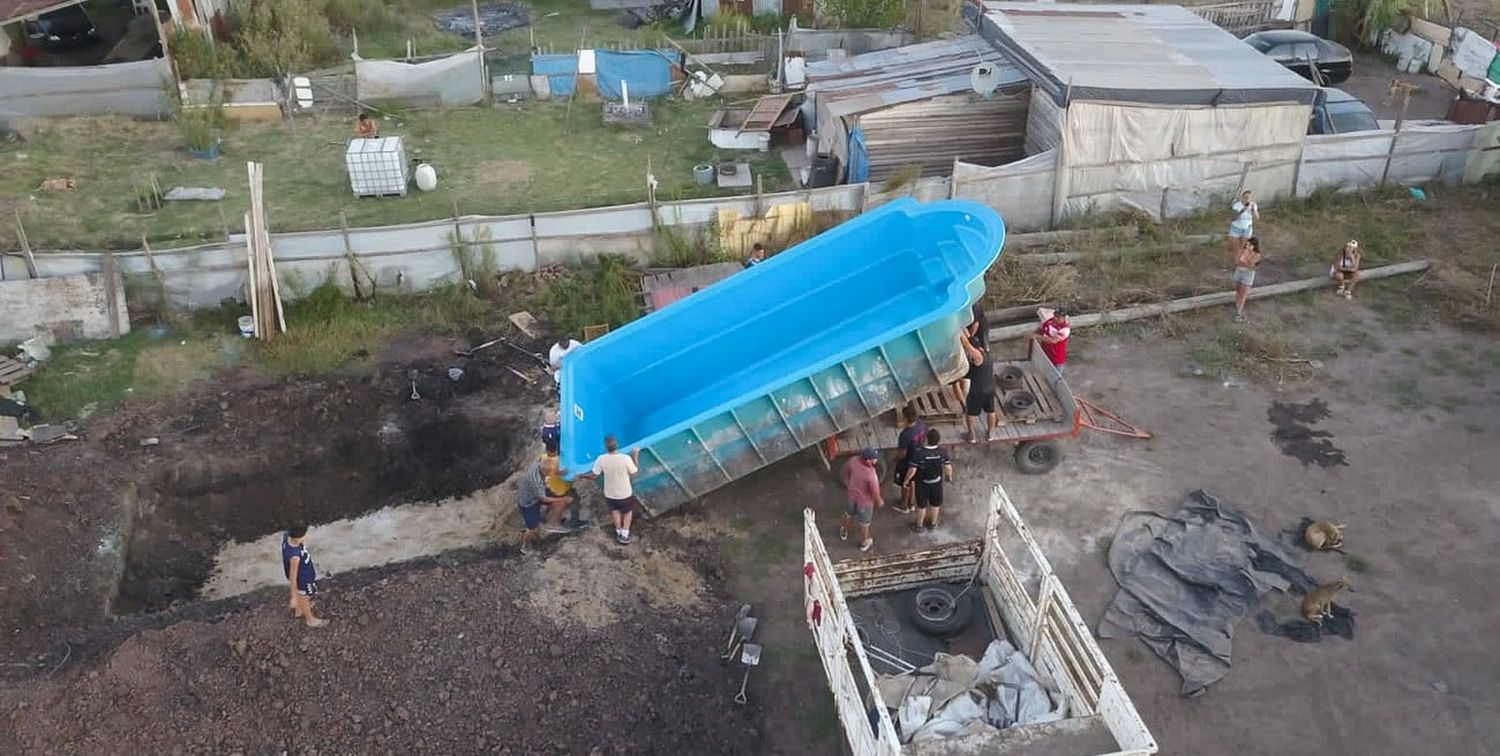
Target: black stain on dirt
1292, 431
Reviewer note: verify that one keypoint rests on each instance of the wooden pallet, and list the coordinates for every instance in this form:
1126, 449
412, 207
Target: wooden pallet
12, 372
1047, 408
938, 405
591, 332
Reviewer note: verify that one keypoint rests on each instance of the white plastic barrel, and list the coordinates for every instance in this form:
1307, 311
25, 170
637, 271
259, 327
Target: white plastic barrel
426, 177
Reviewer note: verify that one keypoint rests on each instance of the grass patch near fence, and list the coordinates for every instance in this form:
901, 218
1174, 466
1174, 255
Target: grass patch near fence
89, 376
1455, 228
529, 157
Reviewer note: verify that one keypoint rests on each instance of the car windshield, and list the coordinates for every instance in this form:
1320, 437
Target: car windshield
1260, 43
1346, 119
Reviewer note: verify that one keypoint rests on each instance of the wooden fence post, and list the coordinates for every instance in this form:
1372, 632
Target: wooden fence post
25, 247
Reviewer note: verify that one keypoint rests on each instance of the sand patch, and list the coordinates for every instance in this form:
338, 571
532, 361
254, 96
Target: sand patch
589, 580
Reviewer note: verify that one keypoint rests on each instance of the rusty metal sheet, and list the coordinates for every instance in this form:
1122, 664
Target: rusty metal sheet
764, 114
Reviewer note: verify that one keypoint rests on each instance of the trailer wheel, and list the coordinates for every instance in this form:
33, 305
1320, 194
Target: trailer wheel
1038, 457
942, 612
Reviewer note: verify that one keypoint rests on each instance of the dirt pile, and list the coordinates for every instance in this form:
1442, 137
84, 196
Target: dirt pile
590, 581
429, 660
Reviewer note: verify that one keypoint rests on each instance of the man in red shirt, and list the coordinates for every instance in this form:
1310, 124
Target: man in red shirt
862, 483
1052, 336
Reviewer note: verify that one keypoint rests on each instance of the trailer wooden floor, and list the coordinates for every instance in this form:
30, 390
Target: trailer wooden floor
941, 410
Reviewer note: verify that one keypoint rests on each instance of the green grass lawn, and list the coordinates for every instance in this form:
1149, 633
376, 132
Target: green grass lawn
526, 157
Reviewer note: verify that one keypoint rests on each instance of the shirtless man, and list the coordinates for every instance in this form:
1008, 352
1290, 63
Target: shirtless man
1245, 263
1345, 269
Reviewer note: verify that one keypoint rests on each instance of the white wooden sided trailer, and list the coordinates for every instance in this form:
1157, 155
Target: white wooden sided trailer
1021, 594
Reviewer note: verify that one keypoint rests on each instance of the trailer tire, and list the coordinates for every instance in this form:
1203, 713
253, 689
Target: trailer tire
1018, 401
1038, 457
942, 612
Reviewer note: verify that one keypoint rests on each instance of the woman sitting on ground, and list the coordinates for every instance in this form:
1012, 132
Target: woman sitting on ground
1345, 269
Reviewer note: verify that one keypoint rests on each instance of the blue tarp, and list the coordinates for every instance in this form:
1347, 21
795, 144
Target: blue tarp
649, 72
560, 70
859, 157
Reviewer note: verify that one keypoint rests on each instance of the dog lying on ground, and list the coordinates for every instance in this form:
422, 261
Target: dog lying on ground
1324, 536
58, 185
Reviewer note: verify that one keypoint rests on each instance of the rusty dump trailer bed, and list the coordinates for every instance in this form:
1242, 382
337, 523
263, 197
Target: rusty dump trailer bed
1024, 603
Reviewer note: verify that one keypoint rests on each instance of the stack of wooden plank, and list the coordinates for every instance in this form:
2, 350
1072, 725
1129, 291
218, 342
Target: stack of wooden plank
264, 291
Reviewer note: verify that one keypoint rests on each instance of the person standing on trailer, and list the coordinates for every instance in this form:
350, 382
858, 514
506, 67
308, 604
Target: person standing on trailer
1052, 335
862, 487
913, 430
977, 332
981, 397
616, 467
929, 467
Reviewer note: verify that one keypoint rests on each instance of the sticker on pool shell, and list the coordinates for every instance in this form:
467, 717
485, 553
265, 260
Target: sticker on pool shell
578, 412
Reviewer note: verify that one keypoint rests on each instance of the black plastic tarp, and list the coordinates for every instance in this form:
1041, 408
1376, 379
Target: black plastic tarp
1187, 580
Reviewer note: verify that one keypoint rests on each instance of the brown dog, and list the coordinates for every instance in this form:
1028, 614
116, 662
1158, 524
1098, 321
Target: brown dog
1317, 605
58, 185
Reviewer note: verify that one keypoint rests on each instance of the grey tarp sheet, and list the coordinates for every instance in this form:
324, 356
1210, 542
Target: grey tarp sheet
1187, 580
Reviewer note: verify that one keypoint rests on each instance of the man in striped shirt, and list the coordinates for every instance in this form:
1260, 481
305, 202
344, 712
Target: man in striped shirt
532, 495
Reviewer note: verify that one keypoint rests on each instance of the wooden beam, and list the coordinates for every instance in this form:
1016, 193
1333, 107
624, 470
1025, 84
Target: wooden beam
1206, 300
111, 298
26, 247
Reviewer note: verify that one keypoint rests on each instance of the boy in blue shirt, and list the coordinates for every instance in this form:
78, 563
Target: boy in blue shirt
301, 575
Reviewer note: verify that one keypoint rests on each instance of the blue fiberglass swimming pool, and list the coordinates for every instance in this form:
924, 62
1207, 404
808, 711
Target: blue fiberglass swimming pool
826, 335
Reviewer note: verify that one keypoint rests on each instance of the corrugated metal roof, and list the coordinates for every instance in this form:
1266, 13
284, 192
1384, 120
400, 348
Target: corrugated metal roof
14, 10
870, 82
1137, 53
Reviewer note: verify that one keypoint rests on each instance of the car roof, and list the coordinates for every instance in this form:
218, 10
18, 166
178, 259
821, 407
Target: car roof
1284, 36
1335, 95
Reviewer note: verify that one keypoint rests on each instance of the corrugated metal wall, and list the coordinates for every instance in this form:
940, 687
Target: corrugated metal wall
932, 133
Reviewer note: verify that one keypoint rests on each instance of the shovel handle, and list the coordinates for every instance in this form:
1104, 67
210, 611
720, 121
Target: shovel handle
739, 698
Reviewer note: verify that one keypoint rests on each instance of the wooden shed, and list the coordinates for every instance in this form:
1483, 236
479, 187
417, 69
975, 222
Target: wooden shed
916, 106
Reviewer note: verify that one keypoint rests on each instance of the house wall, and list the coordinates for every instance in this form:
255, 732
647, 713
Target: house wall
933, 133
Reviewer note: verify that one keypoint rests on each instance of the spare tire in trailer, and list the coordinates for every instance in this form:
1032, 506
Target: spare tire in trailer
942, 611
1038, 457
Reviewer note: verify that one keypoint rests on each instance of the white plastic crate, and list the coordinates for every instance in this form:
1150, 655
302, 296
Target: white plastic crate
377, 167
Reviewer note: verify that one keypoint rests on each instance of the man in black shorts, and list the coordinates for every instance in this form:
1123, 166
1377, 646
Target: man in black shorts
981, 396
929, 466
908, 441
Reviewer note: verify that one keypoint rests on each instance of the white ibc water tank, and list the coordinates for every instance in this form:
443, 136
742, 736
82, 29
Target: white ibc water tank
426, 177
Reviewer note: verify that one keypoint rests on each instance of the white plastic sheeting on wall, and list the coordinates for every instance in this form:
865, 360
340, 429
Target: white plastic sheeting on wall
131, 89
1164, 160
1021, 191
1421, 154
455, 80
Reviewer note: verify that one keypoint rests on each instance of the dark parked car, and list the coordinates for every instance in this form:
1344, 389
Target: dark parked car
1301, 52
63, 29
1339, 112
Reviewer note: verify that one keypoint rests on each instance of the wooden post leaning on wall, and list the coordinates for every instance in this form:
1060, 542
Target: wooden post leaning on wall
111, 297
25, 247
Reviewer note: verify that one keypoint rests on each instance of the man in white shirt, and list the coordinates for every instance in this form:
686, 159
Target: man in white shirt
555, 357
1243, 215
616, 468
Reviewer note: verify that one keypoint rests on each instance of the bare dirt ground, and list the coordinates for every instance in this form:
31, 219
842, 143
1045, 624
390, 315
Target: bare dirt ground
110, 648
1412, 407
590, 648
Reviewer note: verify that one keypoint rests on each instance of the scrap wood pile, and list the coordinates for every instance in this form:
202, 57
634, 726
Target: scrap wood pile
955, 696
264, 291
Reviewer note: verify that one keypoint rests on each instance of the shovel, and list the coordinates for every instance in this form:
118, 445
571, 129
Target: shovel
750, 658
533, 355
739, 617
470, 352
746, 629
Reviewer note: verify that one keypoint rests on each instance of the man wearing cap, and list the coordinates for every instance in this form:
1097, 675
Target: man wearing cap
862, 483
1052, 335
